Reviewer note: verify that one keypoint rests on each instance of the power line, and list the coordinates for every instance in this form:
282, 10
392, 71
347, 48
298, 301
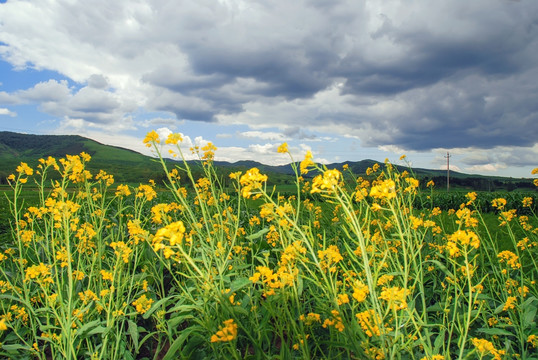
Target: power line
447, 171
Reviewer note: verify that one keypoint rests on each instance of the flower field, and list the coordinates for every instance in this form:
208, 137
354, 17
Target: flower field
344, 268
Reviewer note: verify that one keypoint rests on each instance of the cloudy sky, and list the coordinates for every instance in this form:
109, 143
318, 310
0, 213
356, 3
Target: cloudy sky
349, 80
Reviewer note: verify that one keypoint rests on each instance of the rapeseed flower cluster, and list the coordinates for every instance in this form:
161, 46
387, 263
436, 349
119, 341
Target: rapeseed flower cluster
385, 190
485, 347
326, 183
329, 257
359, 272
142, 304
306, 163
395, 297
167, 238
252, 182
371, 323
40, 273
459, 239
227, 332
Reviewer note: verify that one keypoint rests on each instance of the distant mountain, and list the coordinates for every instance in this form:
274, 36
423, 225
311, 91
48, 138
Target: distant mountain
130, 166
15, 147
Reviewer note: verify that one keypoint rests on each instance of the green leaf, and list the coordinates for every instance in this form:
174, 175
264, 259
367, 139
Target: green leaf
88, 327
495, 331
257, 235
14, 348
529, 316
239, 284
434, 307
98, 330
176, 320
132, 330
440, 266
499, 309
439, 341
184, 308
155, 306
171, 353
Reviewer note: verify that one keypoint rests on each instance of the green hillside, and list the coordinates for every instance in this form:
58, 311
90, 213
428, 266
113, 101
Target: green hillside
126, 165
131, 167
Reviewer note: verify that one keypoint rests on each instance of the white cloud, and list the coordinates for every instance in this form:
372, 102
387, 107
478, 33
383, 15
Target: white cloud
485, 168
4, 111
171, 122
396, 75
271, 136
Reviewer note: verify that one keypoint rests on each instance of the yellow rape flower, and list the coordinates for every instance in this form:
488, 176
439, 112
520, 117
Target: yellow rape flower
509, 258
533, 340
326, 182
498, 203
3, 325
462, 237
107, 275
329, 257
61, 256
335, 320
123, 190
385, 190
209, 151
310, 318
471, 196
40, 273
485, 347
23, 168
87, 296
226, 332
306, 163
173, 139
395, 297
235, 175
50, 161
360, 291
142, 304
510, 303
146, 191
151, 136
342, 299
173, 232
121, 249
384, 279
78, 275
283, 149
371, 323
252, 180
136, 232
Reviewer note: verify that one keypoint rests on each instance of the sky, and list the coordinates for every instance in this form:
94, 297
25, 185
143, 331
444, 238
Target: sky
347, 80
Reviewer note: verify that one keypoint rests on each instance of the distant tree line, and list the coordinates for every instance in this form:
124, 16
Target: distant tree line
482, 183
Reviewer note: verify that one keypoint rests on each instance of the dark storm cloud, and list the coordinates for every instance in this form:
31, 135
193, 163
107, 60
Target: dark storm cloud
469, 112
456, 66
417, 75
286, 72
426, 57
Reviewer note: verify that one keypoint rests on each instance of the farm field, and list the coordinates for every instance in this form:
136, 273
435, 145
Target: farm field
336, 266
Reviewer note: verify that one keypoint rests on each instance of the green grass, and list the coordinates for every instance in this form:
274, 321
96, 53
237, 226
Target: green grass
237, 269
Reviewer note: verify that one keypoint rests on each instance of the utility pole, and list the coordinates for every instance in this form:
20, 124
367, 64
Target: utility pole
447, 172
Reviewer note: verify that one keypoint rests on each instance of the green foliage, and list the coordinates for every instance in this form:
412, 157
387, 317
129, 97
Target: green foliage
228, 267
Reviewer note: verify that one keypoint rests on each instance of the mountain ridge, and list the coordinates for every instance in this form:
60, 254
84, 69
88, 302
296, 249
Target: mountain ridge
129, 165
